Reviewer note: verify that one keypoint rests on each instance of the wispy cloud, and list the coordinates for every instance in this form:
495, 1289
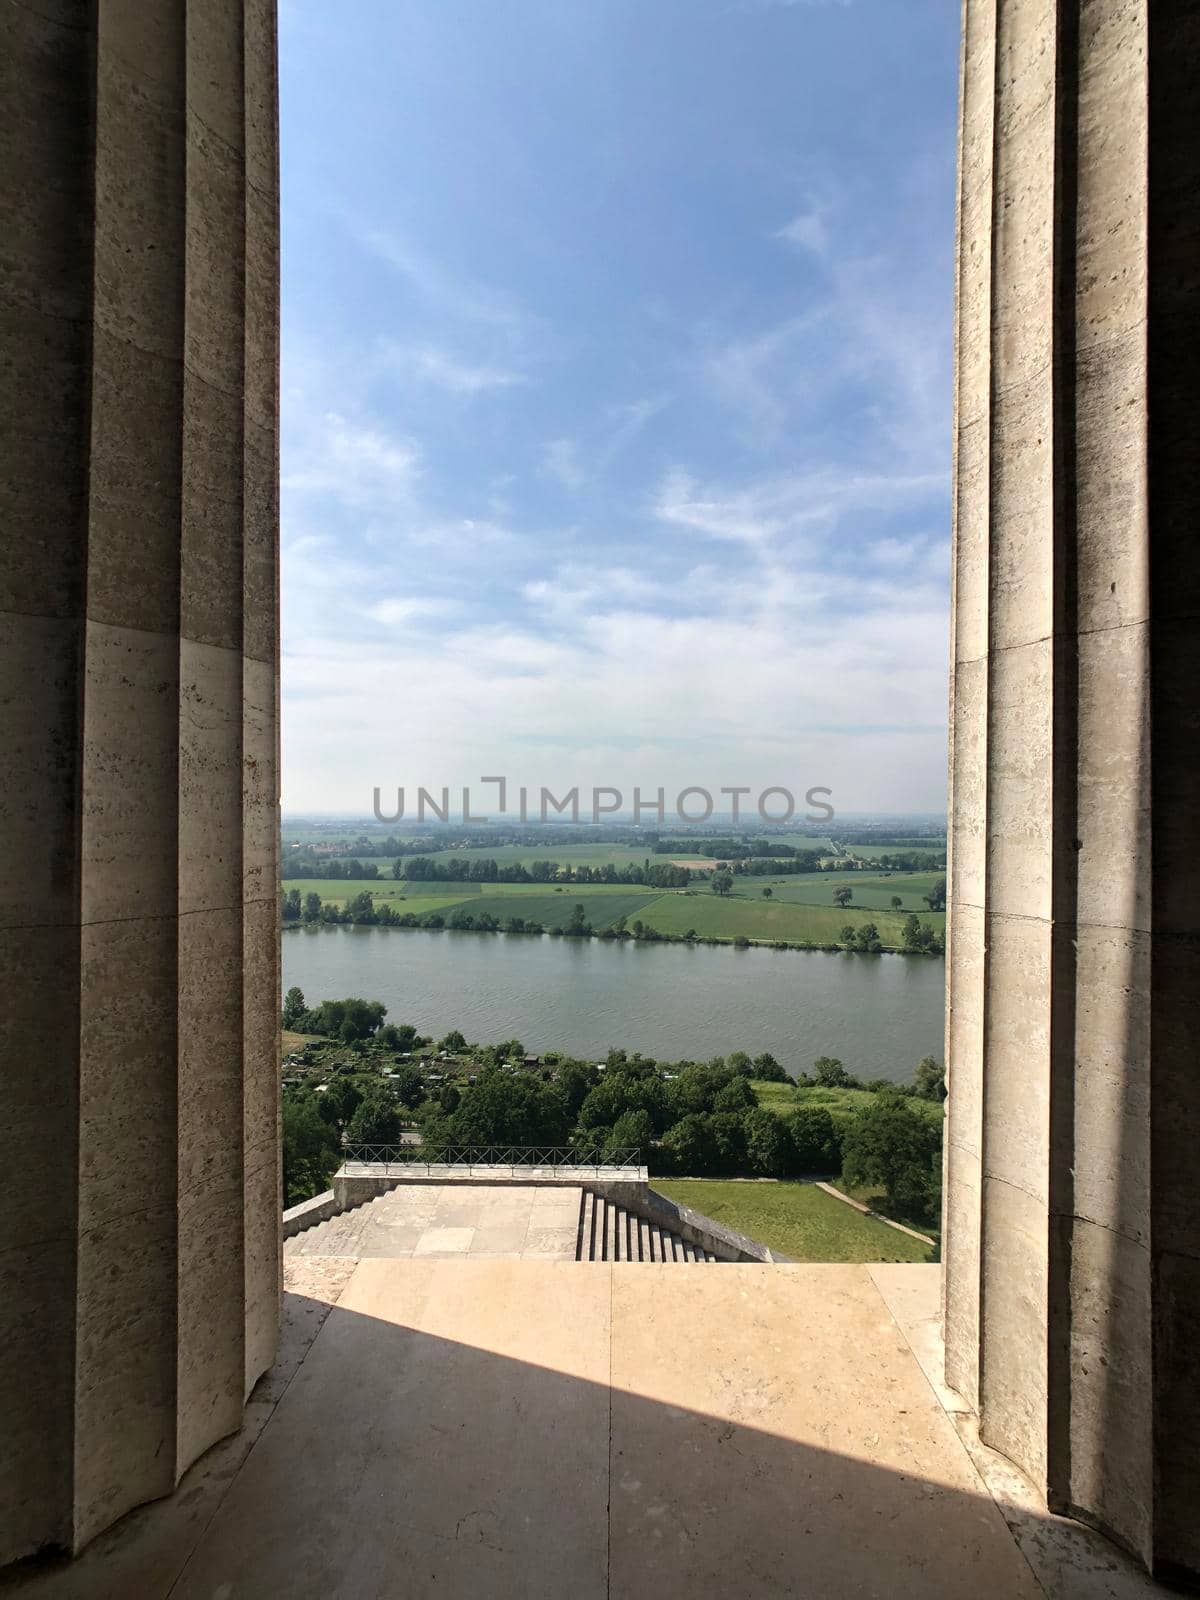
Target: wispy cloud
455, 294
577, 464
560, 459
807, 231
359, 463
428, 364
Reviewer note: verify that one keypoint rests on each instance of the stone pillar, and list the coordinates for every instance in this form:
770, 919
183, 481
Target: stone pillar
139, 1227
1072, 1212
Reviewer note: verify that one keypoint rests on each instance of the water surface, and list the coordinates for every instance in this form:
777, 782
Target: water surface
878, 1014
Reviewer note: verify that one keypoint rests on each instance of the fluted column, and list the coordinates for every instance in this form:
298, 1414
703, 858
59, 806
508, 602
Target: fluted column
139, 1226
1072, 1212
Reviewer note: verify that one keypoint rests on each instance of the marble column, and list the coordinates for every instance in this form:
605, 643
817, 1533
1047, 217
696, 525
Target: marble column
139, 1230
1072, 1210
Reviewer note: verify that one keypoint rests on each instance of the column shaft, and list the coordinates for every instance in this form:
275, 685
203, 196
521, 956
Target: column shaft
138, 695
1071, 1286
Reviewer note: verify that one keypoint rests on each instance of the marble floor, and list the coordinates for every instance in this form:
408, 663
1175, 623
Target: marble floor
493, 1428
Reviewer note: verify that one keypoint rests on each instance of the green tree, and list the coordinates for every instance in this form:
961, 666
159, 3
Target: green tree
449, 1098
294, 1008
688, 1146
409, 1086
741, 1063
311, 1149
830, 1073
896, 902
722, 883
633, 1130
768, 1069
312, 907
376, 1121
574, 1082
769, 1146
815, 1139
728, 1133
737, 1095
341, 1100
842, 896
454, 1042
347, 1019
930, 1079
891, 1144
936, 898
766, 894
505, 1108
361, 908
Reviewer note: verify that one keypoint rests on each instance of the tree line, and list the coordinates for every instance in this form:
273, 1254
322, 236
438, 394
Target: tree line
687, 1118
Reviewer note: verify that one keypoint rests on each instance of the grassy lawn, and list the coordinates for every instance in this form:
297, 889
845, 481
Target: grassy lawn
869, 1195
777, 1097
842, 1104
797, 1219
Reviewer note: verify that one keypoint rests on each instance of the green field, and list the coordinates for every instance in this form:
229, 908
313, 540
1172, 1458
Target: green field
799, 910
871, 891
872, 852
797, 1219
716, 917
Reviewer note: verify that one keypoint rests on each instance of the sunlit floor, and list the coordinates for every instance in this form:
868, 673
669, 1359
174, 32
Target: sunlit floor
492, 1428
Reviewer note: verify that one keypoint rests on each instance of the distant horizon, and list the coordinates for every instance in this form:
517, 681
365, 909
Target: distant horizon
622, 819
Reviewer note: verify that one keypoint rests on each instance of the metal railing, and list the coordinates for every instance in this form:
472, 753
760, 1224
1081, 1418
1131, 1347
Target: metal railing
471, 1157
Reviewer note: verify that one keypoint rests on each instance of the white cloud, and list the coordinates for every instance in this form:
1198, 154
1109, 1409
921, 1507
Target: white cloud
427, 364
560, 459
808, 231
440, 287
359, 463
399, 611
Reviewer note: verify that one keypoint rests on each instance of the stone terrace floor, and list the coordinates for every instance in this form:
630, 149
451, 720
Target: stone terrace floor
526, 1428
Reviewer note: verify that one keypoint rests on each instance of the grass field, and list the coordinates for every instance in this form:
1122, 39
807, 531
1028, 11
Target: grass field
717, 917
872, 852
871, 891
797, 1219
799, 910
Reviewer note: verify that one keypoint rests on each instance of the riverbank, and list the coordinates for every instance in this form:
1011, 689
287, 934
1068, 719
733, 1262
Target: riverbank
614, 912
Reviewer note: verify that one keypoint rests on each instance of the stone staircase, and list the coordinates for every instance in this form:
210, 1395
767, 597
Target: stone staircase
610, 1232
340, 1235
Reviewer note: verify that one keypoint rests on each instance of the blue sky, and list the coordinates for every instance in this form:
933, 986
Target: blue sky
616, 394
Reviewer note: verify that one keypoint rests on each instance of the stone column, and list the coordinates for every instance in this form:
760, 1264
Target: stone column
1072, 1212
139, 1229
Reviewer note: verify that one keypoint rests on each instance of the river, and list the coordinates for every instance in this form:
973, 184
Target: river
878, 1014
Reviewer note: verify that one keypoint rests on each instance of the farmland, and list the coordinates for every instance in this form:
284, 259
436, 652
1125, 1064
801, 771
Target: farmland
799, 910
